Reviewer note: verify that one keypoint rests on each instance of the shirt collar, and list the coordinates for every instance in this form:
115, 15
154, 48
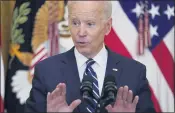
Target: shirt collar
100, 58
81, 60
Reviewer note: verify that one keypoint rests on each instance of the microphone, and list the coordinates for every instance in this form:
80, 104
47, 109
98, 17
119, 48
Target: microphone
109, 91
86, 89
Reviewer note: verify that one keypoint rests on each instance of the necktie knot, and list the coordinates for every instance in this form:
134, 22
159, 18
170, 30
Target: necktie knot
90, 62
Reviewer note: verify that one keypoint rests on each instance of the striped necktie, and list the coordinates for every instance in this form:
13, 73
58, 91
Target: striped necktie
90, 72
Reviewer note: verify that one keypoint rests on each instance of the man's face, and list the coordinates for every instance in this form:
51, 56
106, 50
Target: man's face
88, 26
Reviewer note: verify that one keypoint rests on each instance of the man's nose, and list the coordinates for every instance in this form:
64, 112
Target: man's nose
82, 31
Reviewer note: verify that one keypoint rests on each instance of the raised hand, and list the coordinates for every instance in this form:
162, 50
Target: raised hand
56, 101
124, 101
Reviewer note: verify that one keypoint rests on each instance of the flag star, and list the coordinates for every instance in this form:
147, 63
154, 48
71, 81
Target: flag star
169, 12
138, 10
153, 31
154, 11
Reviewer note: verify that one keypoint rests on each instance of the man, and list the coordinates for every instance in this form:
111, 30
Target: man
56, 84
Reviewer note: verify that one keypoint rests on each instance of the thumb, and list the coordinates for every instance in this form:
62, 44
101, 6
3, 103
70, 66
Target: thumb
75, 103
109, 107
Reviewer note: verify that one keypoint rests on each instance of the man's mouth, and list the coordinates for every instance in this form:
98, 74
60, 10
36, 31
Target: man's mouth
82, 43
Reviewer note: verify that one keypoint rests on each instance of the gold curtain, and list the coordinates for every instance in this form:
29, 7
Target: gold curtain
6, 20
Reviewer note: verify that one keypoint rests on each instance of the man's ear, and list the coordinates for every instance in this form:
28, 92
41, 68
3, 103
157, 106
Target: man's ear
108, 26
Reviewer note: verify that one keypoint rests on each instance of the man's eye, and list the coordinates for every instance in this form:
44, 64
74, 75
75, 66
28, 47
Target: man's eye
91, 24
75, 23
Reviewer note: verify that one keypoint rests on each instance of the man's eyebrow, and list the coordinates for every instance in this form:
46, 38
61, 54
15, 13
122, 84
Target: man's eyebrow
73, 17
90, 19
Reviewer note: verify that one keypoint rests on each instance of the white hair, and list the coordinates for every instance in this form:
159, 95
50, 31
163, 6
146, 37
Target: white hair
107, 7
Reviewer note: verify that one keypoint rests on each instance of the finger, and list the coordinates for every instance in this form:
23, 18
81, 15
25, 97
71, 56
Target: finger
56, 93
129, 97
108, 108
74, 104
125, 93
63, 89
58, 85
60, 88
49, 97
119, 100
120, 93
135, 101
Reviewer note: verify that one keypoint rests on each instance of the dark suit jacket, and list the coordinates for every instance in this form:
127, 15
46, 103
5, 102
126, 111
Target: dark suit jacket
63, 68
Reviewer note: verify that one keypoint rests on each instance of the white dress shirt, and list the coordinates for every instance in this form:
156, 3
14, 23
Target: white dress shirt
99, 66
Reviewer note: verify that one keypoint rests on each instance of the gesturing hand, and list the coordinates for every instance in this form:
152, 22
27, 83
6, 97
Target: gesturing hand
124, 101
56, 101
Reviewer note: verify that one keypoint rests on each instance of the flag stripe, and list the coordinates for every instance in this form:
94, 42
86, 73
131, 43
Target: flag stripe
39, 56
2, 79
115, 44
39, 51
38, 60
1, 105
33, 69
165, 63
2, 85
156, 104
169, 42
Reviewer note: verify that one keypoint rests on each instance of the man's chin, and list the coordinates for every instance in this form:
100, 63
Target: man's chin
84, 51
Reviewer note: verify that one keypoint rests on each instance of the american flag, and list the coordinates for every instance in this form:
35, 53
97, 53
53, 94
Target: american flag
159, 57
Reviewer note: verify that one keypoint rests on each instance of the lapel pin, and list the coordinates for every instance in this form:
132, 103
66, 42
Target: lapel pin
114, 69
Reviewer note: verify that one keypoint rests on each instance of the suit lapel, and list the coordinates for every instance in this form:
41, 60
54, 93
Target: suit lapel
113, 65
72, 79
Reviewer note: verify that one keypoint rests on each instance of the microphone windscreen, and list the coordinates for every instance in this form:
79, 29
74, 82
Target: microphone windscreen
109, 78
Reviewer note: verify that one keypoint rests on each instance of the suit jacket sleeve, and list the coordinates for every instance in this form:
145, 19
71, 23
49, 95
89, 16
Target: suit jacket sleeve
38, 94
145, 103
